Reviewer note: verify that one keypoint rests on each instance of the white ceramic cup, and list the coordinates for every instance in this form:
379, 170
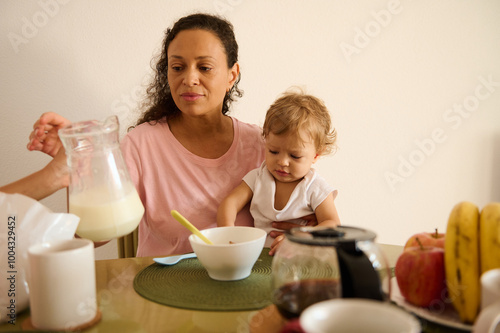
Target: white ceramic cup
357, 315
488, 320
62, 286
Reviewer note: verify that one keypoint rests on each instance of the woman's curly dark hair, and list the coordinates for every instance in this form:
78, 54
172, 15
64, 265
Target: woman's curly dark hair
159, 104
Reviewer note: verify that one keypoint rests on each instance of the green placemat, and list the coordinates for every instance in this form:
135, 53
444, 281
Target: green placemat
187, 285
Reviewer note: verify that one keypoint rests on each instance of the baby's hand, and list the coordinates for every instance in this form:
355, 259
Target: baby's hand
276, 244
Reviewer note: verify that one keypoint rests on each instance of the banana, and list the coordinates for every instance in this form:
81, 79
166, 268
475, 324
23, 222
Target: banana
462, 260
489, 237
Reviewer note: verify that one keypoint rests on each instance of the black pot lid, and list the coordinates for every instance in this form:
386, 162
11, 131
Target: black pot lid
327, 236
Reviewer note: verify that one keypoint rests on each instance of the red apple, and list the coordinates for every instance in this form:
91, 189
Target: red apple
434, 239
420, 275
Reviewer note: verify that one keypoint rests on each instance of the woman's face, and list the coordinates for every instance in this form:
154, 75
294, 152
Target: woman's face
198, 74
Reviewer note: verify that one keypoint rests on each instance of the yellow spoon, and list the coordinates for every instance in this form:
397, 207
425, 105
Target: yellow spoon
182, 220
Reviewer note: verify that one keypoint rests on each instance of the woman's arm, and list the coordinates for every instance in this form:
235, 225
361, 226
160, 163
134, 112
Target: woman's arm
53, 177
232, 204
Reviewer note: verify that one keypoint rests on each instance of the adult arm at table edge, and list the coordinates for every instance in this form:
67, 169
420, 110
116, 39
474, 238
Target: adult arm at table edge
44, 182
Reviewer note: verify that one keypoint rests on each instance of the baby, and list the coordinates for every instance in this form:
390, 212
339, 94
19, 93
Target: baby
297, 131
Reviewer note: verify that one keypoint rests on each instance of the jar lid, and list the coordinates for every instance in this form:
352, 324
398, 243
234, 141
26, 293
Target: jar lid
327, 236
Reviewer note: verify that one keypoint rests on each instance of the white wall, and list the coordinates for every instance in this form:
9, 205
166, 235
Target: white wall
406, 83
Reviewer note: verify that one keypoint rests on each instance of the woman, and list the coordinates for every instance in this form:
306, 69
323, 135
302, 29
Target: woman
184, 153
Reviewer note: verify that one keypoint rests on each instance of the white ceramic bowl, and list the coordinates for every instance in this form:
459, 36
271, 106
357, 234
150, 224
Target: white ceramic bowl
225, 261
351, 315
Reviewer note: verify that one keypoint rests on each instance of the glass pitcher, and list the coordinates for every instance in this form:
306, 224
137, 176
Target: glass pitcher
315, 264
100, 191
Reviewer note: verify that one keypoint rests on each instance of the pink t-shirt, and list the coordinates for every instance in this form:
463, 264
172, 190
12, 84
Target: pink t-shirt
168, 176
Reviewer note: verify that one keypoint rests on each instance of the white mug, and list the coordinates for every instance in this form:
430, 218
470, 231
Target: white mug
488, 320
62, 285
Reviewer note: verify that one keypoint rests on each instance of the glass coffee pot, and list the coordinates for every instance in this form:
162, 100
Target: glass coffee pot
100, 191
315, 264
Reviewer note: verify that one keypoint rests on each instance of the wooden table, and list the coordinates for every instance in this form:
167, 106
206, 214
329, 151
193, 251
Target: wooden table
123, 310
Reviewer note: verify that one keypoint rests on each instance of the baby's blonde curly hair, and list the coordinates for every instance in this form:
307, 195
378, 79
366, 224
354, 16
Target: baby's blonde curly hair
294, 111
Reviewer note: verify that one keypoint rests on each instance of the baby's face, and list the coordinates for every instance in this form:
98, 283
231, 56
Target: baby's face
288, 158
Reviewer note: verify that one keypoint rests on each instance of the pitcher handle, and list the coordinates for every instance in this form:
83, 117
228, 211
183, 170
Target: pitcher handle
359, 278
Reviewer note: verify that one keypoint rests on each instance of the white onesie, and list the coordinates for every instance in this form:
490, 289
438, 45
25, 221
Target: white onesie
307, 195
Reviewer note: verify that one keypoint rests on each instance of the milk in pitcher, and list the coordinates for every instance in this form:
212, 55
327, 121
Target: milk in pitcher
103, 219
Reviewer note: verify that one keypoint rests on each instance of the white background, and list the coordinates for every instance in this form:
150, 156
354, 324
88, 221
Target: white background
394, 75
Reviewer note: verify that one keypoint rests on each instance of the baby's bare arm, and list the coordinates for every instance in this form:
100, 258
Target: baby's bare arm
327, 214
232, 204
